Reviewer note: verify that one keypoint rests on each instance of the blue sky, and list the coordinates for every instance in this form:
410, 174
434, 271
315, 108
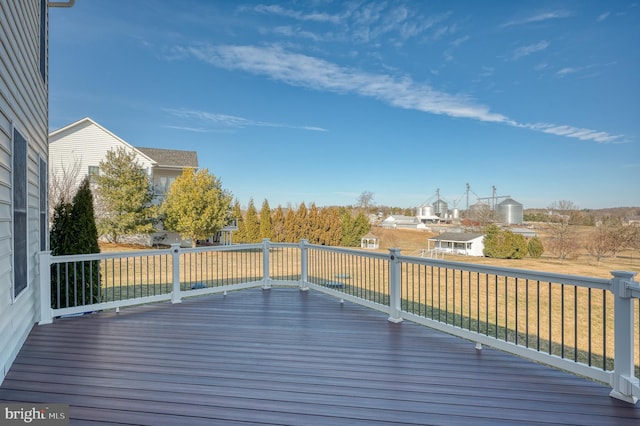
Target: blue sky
318, 101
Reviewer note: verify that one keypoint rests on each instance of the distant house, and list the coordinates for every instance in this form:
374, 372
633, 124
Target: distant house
400, 221
82, 145
461, 243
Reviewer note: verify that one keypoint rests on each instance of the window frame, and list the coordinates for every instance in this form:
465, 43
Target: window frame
43, 202
19, 237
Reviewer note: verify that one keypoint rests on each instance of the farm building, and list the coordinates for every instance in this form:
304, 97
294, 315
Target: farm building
400, 221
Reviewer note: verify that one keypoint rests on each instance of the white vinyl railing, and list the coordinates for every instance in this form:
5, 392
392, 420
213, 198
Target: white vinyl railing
589, 326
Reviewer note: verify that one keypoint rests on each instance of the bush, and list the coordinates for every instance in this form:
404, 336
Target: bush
501, 244
535, 248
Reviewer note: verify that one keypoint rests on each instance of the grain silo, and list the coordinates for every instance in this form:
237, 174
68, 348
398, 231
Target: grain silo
440, 208
511, 212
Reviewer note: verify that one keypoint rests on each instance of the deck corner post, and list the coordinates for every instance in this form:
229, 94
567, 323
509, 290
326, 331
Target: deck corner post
44, 265
266, 279
304, 265
176, 297
395, 306
623, 379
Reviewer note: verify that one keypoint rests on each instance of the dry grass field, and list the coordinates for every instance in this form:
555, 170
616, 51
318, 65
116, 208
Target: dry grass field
412, 241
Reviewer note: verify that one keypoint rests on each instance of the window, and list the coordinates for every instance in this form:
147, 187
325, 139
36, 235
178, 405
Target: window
93, 172
44, 223
19, 172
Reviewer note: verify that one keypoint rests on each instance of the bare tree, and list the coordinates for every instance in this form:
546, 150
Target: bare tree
600, 243
483, 214
563, 241
563, 206
365, 200
63, 184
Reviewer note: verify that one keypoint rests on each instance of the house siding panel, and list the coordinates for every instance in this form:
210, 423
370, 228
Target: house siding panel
85, 144
23, 106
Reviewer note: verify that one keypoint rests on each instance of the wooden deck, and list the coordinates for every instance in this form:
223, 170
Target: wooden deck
289, 358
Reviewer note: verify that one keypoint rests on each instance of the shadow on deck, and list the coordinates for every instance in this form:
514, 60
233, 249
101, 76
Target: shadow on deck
293, 358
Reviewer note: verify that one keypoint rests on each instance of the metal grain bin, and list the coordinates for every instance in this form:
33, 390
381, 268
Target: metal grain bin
511, 212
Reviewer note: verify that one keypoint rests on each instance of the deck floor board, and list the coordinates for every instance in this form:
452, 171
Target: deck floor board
291, 358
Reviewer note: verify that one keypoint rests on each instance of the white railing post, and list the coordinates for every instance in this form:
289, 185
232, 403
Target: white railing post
266, 279
394, 286
175, 258
44, 266
304, 265
623, 374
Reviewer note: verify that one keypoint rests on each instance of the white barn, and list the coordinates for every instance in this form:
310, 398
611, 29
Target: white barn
24, 116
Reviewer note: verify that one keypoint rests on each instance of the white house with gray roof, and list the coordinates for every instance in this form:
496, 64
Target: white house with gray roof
82, 145
462, 243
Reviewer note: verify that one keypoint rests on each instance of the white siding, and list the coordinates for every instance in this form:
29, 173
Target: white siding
23, 105
85, 143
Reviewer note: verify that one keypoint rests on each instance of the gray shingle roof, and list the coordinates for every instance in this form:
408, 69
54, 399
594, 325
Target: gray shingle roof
171, 157
456, 236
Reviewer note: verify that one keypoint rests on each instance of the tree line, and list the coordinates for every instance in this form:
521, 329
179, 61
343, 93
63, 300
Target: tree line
197, 207
330, 226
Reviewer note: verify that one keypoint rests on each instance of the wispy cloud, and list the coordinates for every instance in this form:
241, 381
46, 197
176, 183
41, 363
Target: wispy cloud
364, 22
188, 129
594, 70
295, 14
602, 17
538, 17
576, 132
523, 51
315, 73
225, 120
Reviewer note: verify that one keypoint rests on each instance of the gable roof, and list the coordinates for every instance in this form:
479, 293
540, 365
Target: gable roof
89, 121
171, 157
456, 236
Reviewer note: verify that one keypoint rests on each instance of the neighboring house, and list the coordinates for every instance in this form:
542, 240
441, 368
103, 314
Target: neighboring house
24, 113
82, 145
463, 243
400, 221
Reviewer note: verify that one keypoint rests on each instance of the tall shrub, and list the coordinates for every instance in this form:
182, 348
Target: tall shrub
74, 232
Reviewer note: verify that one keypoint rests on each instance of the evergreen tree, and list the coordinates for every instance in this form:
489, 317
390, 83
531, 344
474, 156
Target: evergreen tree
331, 227
301, 223
251, 224
290, 226
85, 234
124, 195
314, 226
278, 225
535, 247
61, 243
196, 205
266, 227
353, 229
74, 232
240, 235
